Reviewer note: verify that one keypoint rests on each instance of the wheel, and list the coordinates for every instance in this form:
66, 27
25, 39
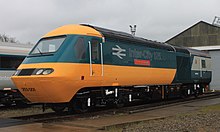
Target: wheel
80, 106
21, 103
58, 108
7, 104
196, 94
183, 94
119, 103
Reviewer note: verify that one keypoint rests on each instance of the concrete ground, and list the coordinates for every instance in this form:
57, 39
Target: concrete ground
99, 123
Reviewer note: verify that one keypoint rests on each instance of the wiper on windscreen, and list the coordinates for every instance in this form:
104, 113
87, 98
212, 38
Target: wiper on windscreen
39, 51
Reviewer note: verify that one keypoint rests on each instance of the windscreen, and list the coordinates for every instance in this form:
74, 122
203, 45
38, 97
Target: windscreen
48, 45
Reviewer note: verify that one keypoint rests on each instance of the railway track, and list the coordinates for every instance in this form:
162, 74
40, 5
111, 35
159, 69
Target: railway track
168, 103
14, 106
99, 112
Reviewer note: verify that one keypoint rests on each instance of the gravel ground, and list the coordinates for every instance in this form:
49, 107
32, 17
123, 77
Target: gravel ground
206, 119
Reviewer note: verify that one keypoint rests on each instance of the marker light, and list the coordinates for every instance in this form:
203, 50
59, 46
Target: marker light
47, 71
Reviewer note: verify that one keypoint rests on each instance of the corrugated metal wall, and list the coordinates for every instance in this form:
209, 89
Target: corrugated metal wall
215, 84
200, 34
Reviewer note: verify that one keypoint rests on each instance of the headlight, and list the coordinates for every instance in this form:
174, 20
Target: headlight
43, 71
39, 72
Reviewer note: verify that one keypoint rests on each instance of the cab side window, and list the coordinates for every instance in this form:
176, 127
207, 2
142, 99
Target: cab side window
80, 49
95, 51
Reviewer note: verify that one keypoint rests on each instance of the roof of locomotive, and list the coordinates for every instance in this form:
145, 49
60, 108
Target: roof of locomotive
107, 33
73, 29
128, 37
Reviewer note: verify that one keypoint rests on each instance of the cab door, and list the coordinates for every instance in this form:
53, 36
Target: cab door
96, 58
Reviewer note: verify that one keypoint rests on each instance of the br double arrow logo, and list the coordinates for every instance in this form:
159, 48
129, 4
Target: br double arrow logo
118, 51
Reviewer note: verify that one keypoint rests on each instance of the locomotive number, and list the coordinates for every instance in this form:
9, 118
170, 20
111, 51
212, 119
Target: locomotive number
28, 89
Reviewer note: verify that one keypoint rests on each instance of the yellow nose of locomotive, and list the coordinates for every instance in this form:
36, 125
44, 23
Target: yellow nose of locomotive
48, 74
58, 86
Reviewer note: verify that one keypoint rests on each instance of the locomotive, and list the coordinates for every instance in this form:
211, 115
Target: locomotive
11, 56
82, 66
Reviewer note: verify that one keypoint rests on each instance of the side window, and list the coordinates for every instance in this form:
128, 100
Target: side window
80, 49
95, 51
203, 64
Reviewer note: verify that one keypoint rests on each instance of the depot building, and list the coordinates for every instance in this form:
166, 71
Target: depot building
203, 36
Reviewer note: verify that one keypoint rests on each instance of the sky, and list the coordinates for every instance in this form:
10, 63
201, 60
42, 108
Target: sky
29, 20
